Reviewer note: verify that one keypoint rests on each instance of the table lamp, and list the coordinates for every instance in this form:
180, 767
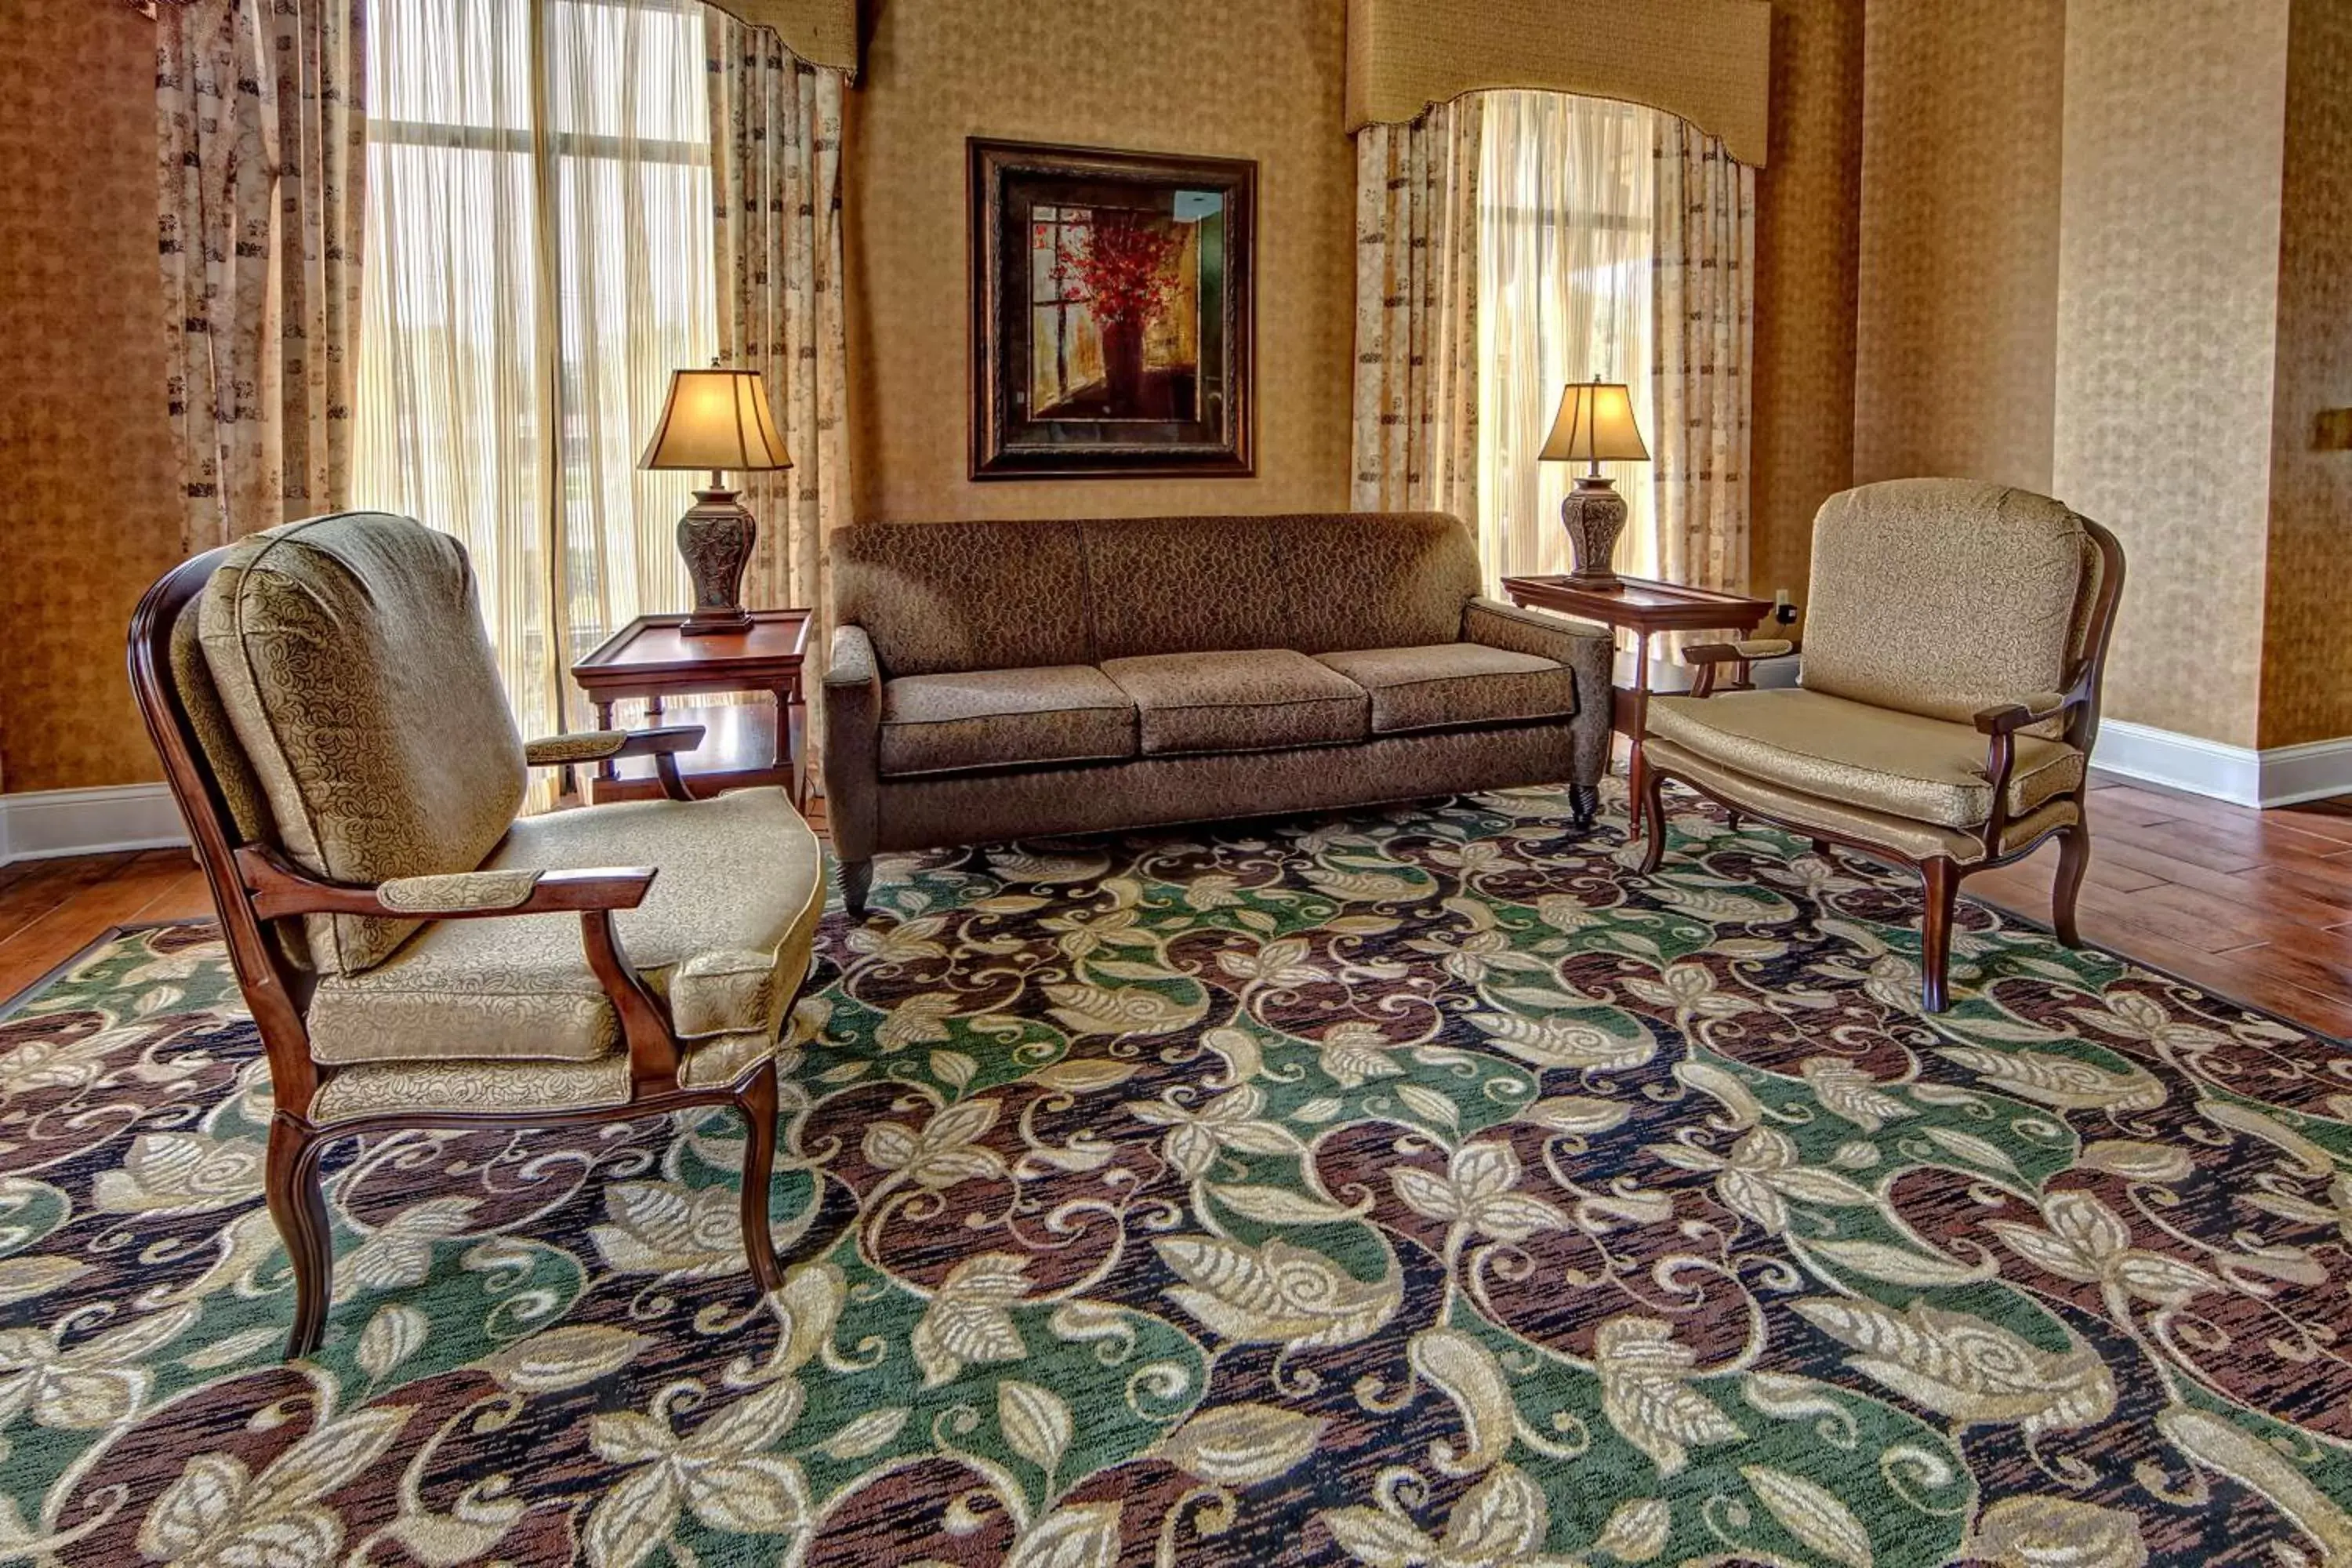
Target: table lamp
1595, 425
716, 419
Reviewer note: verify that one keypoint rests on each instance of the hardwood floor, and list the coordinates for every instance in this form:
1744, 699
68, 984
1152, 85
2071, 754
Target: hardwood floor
2254, 905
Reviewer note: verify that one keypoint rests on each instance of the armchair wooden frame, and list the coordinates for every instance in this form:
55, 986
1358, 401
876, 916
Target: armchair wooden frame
253, 884
1941, 875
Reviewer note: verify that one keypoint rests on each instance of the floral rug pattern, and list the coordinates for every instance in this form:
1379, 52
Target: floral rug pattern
1418, 1187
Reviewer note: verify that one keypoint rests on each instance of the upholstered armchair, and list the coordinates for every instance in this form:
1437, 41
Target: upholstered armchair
1947, 702
414, 953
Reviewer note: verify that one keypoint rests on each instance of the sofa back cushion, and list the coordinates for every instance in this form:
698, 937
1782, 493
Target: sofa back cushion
1944, 597
948, 596
942, 597
350, 658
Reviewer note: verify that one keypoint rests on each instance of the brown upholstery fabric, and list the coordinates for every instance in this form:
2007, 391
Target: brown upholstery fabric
1899, 835
1252, 701
1589, 651
1882, 759
941, 598
936, 597
1447, 685
1356, 580
1004, 718
853, 739
352, 659
977, 808
1943, 597
1185, 584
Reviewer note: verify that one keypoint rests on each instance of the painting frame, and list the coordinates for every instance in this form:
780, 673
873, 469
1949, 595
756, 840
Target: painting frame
1146, 412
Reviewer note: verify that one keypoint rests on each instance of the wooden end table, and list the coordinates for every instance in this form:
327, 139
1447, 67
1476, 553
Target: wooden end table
1643, 607
746, 743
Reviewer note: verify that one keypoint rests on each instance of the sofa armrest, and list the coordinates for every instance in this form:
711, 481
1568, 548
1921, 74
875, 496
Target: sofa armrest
853, 742
1589, 650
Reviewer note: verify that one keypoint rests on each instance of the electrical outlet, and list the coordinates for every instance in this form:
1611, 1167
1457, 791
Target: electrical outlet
1784, 608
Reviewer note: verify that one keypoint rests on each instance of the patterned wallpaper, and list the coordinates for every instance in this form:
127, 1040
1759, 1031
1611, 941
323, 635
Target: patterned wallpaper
1956, 335
1260, 81
2165, 337
2306, 655
88, 517
1807, 200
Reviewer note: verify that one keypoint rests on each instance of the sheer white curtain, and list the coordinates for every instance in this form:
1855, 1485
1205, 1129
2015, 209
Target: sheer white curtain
540, 260
1565, 236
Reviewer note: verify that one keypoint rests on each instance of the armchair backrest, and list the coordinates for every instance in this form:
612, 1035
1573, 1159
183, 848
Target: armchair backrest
1944, 597
348, 656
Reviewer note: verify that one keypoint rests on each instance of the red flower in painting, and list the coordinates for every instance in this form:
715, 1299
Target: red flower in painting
1121, 267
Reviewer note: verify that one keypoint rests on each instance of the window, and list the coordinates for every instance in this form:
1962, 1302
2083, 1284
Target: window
540, 258
1565, 240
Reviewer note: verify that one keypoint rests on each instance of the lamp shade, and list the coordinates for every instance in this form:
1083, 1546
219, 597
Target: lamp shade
1595, 424
716, 419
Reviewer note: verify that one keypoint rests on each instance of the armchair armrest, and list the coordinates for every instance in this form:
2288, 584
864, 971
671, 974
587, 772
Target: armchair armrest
2009, 718
1709, 657
852, 717
279, 889
662, 744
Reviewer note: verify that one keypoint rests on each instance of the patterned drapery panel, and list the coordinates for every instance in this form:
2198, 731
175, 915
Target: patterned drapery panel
775, 140
1703, 298
1416, 394
260, 122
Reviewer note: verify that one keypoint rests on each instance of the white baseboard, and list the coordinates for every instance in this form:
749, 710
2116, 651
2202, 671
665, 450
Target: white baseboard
40, 823
2283, 776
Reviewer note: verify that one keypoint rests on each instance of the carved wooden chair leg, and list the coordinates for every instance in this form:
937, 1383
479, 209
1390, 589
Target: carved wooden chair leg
298, 1207
2074, 861
1649, 787
757, 1101
856, 881
1943, 882
1823, 848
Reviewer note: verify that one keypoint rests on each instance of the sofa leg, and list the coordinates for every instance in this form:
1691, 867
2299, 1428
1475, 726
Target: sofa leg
856, 881
1583, 801
1943, 882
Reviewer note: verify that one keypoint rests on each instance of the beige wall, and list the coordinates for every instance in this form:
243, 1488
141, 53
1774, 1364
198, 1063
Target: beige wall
1262, 81
2307, 687
88, 517
1956, 334
1807, 199
2168, 305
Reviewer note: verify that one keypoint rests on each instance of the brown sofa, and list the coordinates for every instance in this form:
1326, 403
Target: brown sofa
994, 681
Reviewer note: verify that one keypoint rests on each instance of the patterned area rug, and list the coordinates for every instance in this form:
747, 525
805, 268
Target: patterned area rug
1412, 1187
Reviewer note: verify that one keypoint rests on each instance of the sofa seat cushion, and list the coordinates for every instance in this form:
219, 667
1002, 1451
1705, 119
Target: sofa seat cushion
724, 935
1882, 759
1255, 699
1004, 718
1448, 686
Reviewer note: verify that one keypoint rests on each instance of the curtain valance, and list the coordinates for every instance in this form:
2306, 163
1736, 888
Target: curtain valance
822, 32
1707, 61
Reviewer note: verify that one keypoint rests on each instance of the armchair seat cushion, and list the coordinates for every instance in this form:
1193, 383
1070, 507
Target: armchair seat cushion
1901, 764
1004, 718
724, 935
1254, 700
1450, 686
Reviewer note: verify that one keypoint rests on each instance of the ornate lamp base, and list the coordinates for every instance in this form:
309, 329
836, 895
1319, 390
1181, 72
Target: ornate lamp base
716, 536
1594, 514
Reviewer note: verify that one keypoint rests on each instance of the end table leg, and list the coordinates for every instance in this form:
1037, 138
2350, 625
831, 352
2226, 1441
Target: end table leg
608, 768
1635, 804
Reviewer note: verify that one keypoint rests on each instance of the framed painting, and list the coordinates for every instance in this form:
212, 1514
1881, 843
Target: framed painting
1112, 312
